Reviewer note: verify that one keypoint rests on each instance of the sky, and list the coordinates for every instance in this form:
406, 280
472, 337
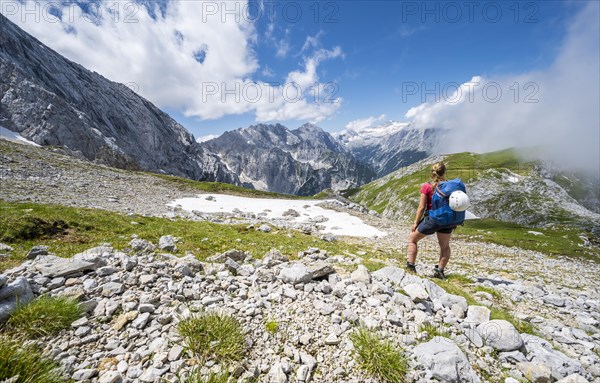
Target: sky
490, 70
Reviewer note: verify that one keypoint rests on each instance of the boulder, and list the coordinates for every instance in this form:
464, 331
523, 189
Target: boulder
13, 294
37, 251
535, 373
97, 255
297, 273
167, 243
477, 314
574, 378
500, 335
541, 352
389, 273
52, 266
361, 275
416, 292
446, 361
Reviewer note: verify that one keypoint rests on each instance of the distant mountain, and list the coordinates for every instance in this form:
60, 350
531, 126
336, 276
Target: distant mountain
390, 146
500, 186
53, 101
303, 161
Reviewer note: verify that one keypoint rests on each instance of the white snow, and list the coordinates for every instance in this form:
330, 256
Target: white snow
15, 137
469, 215
338, 223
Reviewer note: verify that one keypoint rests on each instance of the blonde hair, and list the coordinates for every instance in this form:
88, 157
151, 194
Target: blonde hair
438, 170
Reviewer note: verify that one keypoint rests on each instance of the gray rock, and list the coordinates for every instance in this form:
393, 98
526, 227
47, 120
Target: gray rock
541, 352
449, 300
416, 292
303, 373
555, 300
276, 374
128, 263
291, 213
5, 247
52, 266
264, 228
167, 243
297, 273
141, 321
477, 314
273, 258
96, 255
17, 292
3, 280
320, 269
445, 360
37, 251
573, 378
535, 373
434, 291
361, 275
110, 289
500, 335
110, 377
235, 254
141, 245
105, 271
84, 375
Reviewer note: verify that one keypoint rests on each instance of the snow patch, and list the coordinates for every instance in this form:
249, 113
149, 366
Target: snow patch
9, 135
337, 223
536, 233
258, 185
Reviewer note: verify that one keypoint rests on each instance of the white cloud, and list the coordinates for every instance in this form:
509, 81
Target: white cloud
188, 59
555, 108
365, 123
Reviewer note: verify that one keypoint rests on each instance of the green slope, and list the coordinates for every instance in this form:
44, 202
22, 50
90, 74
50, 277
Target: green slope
508, 192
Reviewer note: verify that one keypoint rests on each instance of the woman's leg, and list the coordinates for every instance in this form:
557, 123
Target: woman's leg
413, 238
444, 241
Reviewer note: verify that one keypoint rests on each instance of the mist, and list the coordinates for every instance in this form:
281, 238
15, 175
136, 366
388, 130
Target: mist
556, 109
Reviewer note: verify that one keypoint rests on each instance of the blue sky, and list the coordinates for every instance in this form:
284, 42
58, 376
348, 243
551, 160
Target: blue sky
362, 53
387, 44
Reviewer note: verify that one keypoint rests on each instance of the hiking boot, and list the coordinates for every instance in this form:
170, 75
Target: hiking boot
411, 268
438, 273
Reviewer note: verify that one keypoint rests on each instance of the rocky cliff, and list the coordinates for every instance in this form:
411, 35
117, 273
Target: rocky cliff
53, 101
303, 161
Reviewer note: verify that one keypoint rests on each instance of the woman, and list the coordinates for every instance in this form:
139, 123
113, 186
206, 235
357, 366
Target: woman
424, 225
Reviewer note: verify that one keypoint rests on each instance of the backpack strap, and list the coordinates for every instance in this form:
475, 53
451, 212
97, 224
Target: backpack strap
439, 191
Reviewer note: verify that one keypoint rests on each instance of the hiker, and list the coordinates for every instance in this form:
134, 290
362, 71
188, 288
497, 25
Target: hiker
427, 221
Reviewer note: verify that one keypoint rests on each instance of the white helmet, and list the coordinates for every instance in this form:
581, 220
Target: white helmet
459, 201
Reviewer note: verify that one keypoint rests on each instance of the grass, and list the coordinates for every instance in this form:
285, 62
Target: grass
379, 358
44, 316
213, 336
521, 326
372, 264
69, 230
433, 330
26, 361
271, 326
494, 293
557, 240
196, 377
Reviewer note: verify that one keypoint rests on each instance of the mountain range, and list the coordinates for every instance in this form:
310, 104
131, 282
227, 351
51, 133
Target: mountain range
51, 100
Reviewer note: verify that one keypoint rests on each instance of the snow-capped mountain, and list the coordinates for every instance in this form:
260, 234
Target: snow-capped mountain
50, 100
389, 146
303, 161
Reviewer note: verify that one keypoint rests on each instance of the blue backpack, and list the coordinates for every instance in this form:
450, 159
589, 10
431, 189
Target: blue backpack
440, 209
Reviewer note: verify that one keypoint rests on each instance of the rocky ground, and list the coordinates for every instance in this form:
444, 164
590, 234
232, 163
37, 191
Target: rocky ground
135, 296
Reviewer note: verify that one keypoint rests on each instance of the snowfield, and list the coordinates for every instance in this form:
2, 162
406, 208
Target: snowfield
336, 223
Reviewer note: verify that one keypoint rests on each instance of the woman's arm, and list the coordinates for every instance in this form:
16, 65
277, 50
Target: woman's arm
420, 211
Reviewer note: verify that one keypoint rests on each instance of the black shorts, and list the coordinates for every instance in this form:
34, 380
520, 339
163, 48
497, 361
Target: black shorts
428, 226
